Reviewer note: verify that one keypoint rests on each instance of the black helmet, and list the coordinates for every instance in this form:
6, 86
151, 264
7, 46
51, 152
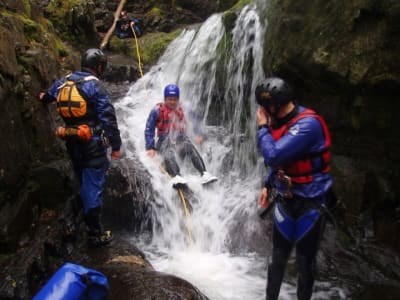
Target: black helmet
275, 91
92, 58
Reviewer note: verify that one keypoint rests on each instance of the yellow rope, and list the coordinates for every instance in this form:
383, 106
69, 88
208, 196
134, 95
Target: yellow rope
186, 214
137, 51
139, 60
182, 196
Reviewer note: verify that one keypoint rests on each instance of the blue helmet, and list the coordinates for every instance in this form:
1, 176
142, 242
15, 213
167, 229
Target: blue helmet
171, 90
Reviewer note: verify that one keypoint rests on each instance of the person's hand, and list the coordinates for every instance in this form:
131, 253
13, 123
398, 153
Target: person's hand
263, 198
115, 155
40, 95
198, 139
262, 117
151, 153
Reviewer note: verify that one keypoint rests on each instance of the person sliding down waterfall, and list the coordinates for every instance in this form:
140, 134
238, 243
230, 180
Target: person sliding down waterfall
169, 119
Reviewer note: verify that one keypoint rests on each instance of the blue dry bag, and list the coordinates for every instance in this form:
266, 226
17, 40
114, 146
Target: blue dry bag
74, 282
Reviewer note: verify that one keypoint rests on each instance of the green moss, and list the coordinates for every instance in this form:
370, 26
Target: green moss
72, 19
30, 27
239, 5
155, 11
27, 6
154, 48
121, 45
151, 46
230, 15
222, 52
61, 48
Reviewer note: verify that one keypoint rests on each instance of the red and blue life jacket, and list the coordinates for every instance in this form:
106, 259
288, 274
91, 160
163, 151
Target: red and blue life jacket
170, 120
302, 170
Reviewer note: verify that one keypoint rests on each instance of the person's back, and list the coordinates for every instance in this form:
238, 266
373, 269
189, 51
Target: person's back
90, 127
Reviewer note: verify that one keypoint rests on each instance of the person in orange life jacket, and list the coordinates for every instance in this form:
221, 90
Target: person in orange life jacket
294, 142
124, 25
169, 120
89, 157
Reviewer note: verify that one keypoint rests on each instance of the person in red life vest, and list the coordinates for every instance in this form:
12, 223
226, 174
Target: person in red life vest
295, 144
90, 128
169, 120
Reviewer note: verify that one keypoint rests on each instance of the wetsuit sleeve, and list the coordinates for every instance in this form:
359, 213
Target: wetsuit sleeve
52, 92
149, 132
303, 137
268, 178
106, 115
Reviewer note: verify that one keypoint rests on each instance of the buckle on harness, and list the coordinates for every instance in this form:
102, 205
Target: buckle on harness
288, 181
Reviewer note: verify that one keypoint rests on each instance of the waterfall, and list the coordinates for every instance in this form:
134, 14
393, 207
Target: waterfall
217, 72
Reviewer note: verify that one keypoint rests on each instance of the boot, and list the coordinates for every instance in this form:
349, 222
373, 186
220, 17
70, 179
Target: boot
95, 233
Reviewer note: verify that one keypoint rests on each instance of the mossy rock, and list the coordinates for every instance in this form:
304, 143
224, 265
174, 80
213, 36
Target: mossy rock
151, 46
230, 15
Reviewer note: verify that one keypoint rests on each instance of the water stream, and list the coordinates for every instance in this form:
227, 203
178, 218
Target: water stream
219, 259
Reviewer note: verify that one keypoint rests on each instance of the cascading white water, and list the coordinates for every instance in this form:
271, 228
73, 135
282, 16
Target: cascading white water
209, 261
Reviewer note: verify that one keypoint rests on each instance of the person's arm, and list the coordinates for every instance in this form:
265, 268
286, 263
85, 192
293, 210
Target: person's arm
105, 114
51, 94
149, 132
196, 121
300, 139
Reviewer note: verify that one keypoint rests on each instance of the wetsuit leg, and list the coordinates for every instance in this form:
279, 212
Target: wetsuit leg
306, 252
276, 269
187, 148
168, 152
92, 184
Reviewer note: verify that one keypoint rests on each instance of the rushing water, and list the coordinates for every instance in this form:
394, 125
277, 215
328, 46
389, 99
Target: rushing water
209, 247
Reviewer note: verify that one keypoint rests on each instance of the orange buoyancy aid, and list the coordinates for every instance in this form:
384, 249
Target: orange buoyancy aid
72, 105
170, 120
302, 170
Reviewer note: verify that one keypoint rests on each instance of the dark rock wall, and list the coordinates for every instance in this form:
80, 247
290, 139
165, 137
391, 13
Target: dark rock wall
342, 59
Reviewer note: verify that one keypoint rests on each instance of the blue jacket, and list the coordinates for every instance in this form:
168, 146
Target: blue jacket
303, 138
98, 97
